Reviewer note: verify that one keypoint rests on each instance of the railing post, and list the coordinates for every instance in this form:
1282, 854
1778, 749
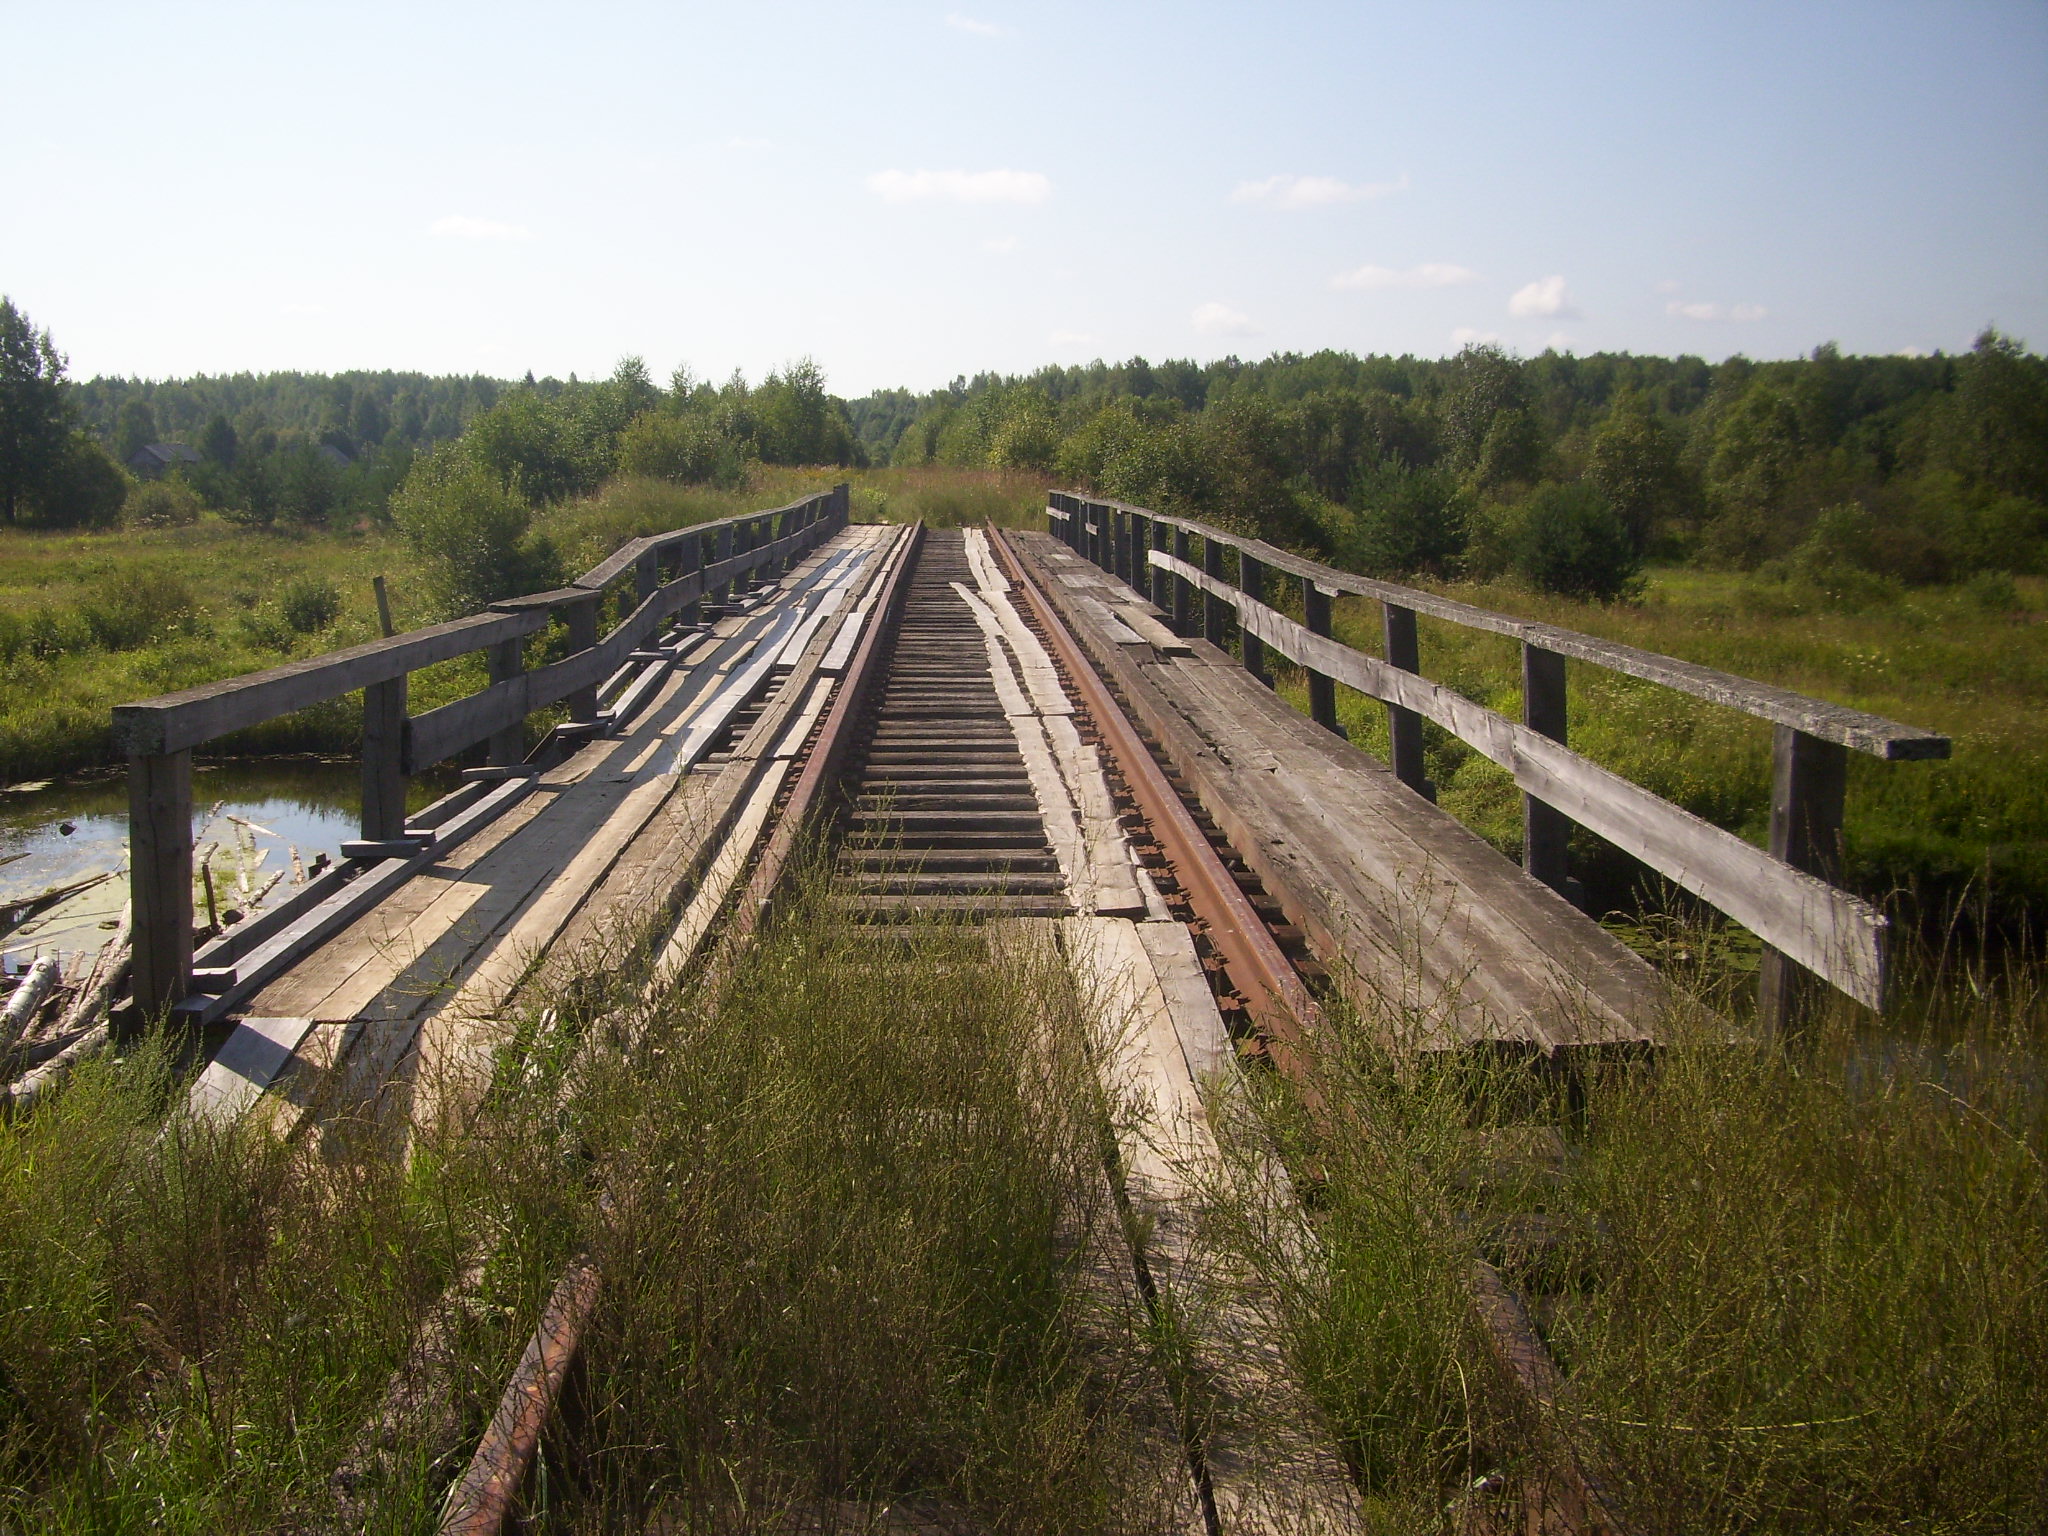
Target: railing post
1404, 726
689, 558
1251, 581
1546, 831
1215, 611
1322, 691
1183, 589
1159, 580
1809, 789
384, 761
507, 661
646, 576
1140, 538
160, 878
721, 549
580, 617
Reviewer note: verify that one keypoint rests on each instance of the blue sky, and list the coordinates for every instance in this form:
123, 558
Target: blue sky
907, 192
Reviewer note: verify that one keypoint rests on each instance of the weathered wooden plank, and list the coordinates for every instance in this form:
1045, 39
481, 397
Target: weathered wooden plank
1270, 1458
1853, 728
1830, 932
160, 875
1424, 923
194, 715
249, 1061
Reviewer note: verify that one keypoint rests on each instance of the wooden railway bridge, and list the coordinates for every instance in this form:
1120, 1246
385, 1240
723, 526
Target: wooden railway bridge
1069, 735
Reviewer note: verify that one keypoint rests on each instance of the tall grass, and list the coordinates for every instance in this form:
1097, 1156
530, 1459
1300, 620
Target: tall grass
850, 1199
844, 1202
1794, 1287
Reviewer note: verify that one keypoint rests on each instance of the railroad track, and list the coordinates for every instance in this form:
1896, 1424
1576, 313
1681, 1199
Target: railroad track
924, 775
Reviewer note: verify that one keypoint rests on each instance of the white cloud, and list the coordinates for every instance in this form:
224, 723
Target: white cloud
1313, 191
1002, 245
961, 23
1557, 341
1431, 274
1701, 310
1542, 299
1074, 340
461, 227
961, 186
1465, 336
1213, 319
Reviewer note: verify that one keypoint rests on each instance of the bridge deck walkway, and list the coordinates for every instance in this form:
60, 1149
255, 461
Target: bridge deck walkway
1430, 931
406, 1004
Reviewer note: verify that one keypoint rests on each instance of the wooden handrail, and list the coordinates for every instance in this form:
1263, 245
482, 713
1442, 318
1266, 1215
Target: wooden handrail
158, 735
1784, 894
1853, 728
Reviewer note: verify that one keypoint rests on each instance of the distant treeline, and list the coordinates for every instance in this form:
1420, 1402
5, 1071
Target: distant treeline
1567, 470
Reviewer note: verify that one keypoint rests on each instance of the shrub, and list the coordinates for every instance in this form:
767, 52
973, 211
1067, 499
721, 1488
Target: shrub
686, 450
470, 530
310, 603
130, 607
1406, 520
1571, 542
168, 503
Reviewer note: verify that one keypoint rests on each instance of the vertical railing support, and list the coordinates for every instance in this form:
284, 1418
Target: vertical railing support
1322, 690
1160, 581
1216, 612
1251, 581
1183, 589
1809, 789
1404, 726
507, 661
580, 618
1135, 563
646, 576
384, 761
1546, 831
160, 878
721, 549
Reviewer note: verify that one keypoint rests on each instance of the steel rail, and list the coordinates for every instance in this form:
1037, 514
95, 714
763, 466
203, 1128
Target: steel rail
1274, 993
480, 1502
1281, 1006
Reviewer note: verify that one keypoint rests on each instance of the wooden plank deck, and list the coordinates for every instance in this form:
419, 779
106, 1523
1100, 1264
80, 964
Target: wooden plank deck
406, 1002
1438, 939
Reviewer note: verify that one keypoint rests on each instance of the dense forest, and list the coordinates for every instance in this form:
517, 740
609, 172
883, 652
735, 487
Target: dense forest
1857, 475
1566, 471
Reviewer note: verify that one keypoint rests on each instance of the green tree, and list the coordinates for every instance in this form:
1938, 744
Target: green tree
218, 443
83, 489
137, 429
1633, 462
1489, 425
35, 418
1404, 521
1570, 541
470, 529
1756, 457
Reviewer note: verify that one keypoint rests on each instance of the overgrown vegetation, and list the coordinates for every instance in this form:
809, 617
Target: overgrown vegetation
842, 1205
1794, 1287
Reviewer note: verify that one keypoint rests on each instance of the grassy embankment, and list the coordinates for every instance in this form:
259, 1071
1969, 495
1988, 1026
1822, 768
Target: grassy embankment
842, 1230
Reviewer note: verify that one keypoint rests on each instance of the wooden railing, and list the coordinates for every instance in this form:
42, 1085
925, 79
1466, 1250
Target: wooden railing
1784, 894
650, 580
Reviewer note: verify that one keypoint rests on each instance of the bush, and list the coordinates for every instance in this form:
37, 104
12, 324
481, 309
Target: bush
685, 450
168, 503
470, 530
1405, 520
310, 603
1571, 542
84, 488
128, 608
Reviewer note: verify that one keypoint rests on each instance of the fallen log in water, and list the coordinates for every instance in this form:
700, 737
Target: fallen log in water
38, 984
